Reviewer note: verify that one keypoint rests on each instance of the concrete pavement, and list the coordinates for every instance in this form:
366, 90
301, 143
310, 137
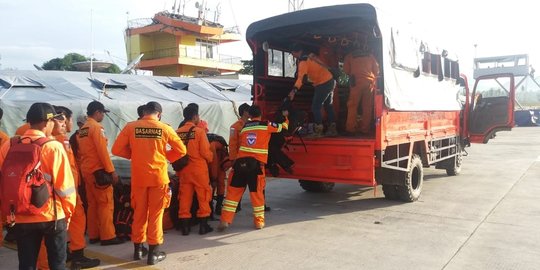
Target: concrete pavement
485, 218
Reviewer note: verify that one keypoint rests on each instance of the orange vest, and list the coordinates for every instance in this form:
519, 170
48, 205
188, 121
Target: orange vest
198, 148
64, 140
93, 148
234, 138
54, 165
145, 142
255, 136
22, 129
3, 138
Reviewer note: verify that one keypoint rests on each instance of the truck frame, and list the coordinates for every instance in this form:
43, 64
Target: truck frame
418, 120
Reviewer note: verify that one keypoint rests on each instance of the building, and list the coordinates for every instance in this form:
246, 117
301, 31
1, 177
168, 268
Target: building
178, 45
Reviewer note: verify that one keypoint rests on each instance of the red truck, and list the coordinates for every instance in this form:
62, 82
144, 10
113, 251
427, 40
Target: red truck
424, 114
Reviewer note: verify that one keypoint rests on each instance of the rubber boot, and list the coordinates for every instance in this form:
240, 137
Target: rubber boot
332, 130
154, 255
79, 261
185, 226
219, 204
204, 228
317, 132
140, 251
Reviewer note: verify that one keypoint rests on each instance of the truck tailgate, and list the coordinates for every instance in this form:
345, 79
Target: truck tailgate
333, 160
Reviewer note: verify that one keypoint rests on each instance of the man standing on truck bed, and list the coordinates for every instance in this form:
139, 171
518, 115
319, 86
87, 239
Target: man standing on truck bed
363, 70
324, 84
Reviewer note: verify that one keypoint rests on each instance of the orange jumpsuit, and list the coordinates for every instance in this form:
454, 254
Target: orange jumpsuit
145, 142
22, 129
3, 138
219, 165
315, 72
254, 139
55, 165
194, 177
365, 69
234, 138
94, 156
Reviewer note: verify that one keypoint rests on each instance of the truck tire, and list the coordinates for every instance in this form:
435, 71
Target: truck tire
413, 181
316, 186
390, 192
456, 168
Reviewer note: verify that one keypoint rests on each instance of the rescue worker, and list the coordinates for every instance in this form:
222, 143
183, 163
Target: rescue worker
140, 112
77, 226
51, 223
194, 177
81, 120
317, 72
234, 139
3, 138
95, 157
249, 167
145, 142
363, 70
218, 167
202, 124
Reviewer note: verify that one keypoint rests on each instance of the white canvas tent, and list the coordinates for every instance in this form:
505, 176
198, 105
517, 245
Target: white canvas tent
218, 99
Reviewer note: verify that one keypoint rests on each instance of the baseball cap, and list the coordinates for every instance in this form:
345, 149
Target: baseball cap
81, 119
153, 106
40, 112
95, 106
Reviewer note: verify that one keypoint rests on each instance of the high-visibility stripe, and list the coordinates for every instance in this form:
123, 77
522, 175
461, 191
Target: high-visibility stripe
259, 214
65, 193
258, 208
229, 209
253, 150
254, 128
279, 128
285, 125
232, 203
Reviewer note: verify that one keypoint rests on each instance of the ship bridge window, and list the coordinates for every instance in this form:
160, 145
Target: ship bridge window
19, 81
107, 83
281, 64
175, 85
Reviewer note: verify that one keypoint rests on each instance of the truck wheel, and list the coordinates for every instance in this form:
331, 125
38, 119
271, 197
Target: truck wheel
414, 179
316, 186
390, 192
456, 168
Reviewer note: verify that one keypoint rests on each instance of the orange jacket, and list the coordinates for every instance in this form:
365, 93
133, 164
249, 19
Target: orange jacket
145, 142
234, 138
93, 148
54, 165
220, 155
3, 138
22, 129
64, 140
315, 72
255, 136
361, 66
198, 148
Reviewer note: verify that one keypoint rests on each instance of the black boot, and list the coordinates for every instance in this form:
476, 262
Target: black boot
154, 255
185, 227
140, 251
212, 210
219, 204
79, 261
204, 228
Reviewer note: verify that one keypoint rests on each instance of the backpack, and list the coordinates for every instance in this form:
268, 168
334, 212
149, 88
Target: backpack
123, 213
24, 189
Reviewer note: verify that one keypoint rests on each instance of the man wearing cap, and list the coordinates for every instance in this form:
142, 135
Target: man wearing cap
95, 161
81, 120
52, 222
194, 177
145, 142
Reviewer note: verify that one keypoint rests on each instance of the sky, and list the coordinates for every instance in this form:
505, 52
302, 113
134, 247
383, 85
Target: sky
34, 31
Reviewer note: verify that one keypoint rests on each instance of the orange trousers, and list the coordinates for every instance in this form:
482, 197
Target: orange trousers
361, 92
234, 194
100, 210
148, 204
200, 184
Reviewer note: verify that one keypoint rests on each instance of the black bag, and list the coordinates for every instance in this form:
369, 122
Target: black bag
103, 178
182, 162
336, 73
